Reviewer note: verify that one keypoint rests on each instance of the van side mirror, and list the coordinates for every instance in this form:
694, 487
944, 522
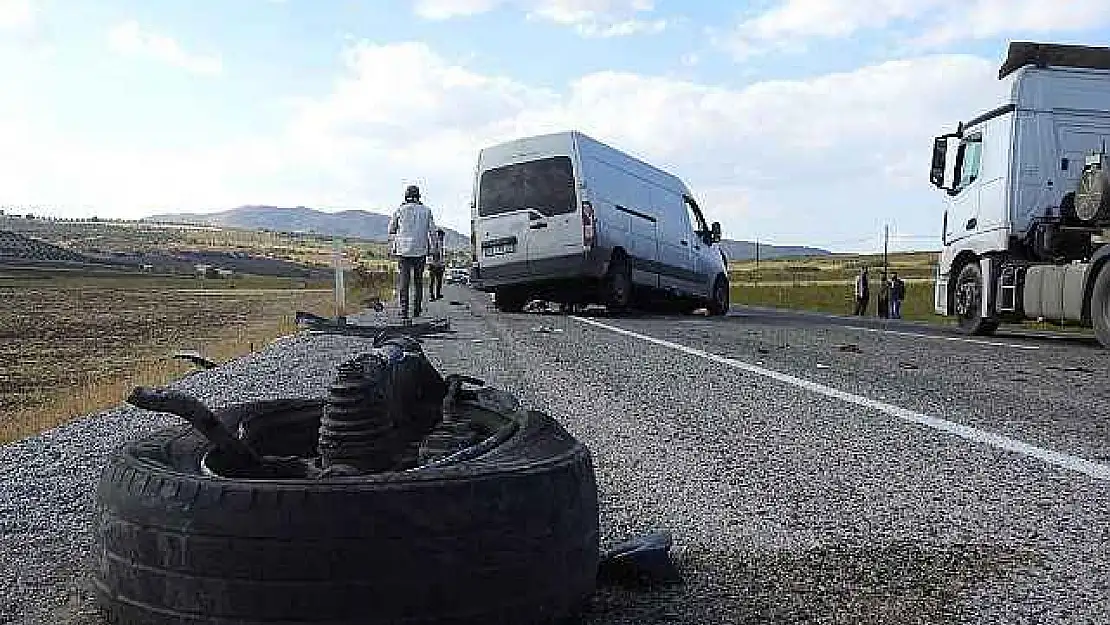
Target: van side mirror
715, 231
940, 156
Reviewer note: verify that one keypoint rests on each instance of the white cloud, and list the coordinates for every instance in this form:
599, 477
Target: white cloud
16, 14
130, 38
790, 24
804, 161
589, 18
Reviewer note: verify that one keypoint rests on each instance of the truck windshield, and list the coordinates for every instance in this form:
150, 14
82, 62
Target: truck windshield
546, 185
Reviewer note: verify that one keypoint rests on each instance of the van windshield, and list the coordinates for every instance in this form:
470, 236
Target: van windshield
546, 185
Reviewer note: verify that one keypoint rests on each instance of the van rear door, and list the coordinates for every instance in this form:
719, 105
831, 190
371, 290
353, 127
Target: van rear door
534, 202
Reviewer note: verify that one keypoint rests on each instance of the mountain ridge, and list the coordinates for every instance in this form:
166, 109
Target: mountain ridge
372, 226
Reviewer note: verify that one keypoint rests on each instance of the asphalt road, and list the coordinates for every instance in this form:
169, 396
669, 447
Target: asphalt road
810, 471
813, 471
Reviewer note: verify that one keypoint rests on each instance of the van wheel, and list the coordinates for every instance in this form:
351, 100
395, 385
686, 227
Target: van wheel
618, 285
509, 301
1100, 306
968, 302
719, 304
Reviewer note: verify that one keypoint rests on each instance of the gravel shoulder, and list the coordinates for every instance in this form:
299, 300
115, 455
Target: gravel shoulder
786, 507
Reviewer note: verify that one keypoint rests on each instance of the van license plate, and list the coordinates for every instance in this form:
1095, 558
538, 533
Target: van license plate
499, 250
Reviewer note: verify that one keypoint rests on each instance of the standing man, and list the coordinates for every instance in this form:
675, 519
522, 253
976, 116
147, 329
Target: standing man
883, 304
410, 231
897, 294
863, 293
436, 266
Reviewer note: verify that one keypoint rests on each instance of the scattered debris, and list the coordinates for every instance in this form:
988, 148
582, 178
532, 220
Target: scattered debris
642, 560
821, 366
850, 348
195, 358
547, 330
763, 350
908, 366
702, 312
455, 302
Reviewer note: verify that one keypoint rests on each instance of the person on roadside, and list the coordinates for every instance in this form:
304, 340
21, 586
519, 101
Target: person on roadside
410, 232
863, 293
436, 265
882, 305
897, 296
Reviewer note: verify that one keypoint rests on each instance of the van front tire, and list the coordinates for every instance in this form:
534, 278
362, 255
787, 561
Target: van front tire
719, 303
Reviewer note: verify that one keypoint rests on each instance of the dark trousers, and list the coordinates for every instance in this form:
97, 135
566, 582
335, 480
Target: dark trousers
410, 269
861, 305
435, 288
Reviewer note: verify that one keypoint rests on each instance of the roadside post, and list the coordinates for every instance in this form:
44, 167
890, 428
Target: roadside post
340, 289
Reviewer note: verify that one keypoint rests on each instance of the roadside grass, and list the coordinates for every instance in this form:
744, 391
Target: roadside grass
75, 345
100, 390
835, 298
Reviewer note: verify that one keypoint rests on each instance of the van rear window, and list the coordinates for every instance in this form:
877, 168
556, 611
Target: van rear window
546, 185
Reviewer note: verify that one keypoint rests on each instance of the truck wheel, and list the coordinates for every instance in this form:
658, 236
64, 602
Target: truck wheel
1100, 306
968, 302
508, 537
618, 285
719, 304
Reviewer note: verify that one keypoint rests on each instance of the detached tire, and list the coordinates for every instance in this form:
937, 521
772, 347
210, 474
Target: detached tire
1100, 306
508, 537
968, 302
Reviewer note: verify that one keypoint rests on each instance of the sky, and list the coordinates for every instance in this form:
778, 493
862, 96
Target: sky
802, 122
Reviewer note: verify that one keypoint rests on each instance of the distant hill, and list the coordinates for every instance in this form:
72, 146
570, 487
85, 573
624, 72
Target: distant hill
745, 250
351, 223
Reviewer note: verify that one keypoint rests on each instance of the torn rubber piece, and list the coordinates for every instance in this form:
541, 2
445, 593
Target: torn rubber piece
196, 359
641, 560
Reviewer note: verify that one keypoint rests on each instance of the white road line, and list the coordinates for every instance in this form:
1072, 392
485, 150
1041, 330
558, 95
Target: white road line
1062, 460
949, 338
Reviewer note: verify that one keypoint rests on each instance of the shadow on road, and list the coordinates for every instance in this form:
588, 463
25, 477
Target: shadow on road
902, 582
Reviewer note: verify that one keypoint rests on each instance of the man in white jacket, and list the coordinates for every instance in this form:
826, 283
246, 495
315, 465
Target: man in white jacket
410, 229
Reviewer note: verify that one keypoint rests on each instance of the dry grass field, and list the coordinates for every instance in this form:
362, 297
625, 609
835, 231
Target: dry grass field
70, 345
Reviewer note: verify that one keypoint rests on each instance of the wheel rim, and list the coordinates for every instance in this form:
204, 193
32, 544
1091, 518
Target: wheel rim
967, 298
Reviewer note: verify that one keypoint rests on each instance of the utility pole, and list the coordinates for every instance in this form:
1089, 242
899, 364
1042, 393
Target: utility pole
886, 248
757, 262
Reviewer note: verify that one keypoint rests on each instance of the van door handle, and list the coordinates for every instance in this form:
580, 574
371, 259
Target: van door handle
684, 242
971, 223
542, 224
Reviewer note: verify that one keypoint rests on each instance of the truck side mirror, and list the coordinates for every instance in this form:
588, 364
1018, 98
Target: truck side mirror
715, 231
940, 156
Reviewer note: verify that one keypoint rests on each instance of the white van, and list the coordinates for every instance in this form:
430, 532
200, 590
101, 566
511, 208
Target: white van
567, 219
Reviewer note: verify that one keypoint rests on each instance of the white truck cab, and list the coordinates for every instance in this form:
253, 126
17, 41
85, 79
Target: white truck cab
565, 218
1028, 208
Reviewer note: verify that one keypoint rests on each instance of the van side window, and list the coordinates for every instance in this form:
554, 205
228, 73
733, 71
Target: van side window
546, 185
968, 161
